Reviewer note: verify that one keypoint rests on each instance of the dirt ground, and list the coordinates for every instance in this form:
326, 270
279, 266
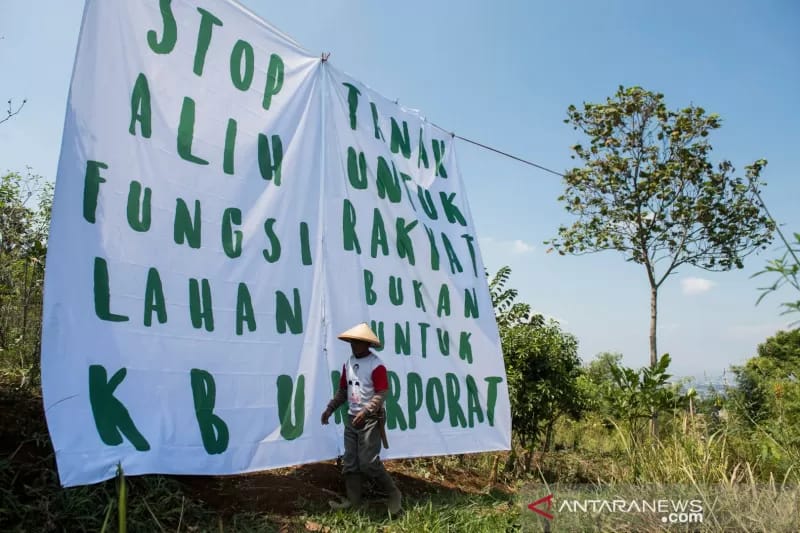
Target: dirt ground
286, 491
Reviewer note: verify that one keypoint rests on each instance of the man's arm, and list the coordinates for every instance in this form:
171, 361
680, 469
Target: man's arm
338, 399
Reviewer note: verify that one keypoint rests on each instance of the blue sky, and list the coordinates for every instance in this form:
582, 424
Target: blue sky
503, 73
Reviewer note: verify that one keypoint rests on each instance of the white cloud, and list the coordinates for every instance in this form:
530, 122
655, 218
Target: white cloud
517, 246
521, 247
696, 285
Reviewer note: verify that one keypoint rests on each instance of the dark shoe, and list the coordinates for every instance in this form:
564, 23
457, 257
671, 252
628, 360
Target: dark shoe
352, 483
394, 503
395, 499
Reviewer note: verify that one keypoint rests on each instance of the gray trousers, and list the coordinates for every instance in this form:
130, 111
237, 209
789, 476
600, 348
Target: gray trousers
362, 451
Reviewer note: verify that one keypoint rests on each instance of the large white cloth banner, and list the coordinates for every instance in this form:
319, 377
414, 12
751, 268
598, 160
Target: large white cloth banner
225, 204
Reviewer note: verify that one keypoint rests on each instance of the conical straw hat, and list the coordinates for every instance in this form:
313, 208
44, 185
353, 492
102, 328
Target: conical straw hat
361, 332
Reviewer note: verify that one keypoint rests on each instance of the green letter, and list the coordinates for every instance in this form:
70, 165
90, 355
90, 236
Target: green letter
438, 155
427, 203
102, 293
186, 133
230, 144
291, 431
434, 399
470, 303
349, 227
400, 142
396, 290
274, 253
305, 244
207, 23
414, 398
450, 209
473, 402
154, 299
394, 413
170, 36
388, 182
185, 228
402, 339
371, 295
201, 312
453, 407
418, 301
356, 168
423, 333
91, 189
464, 347
286, 315
444, 341
213, 430
378, 235
444, 301
469, 238
110, 416
423, 154
242, 50
405, 248
231, 239
434, 250
378, 329
378, 132
140, 108
455, 264
341, 411
138, 220
270, 165
491, 397
244, 310
352, 103
274, 79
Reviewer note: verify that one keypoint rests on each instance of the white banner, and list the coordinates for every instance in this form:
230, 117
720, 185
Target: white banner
226, 203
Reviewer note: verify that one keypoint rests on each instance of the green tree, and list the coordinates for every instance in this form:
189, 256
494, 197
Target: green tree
765, 404
542, 367
769, 377
507, 310
648, 189
637, 396
598, 378
25, 208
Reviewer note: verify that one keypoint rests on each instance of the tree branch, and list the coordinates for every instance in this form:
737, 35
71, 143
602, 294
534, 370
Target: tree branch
11, 112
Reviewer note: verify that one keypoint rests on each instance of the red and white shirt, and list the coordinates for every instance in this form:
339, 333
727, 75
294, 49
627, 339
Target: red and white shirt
363, 377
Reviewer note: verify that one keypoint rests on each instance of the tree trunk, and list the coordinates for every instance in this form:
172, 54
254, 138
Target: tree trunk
653, 349
548, 436
653, 320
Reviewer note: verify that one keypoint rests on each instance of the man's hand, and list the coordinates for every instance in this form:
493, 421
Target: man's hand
359, 419
326, 414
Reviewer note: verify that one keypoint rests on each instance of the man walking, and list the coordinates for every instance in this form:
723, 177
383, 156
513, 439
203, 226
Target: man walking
364, 385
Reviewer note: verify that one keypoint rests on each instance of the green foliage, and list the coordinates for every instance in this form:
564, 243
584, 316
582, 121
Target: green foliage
25, 207
786, 270
766, 399
648, 189
629, 397
542, 366
507, 310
